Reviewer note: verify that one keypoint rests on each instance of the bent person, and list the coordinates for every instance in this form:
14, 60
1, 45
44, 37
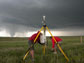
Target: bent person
31, 43
54, 45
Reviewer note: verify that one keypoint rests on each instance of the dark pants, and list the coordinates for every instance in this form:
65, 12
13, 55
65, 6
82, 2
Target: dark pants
31, 43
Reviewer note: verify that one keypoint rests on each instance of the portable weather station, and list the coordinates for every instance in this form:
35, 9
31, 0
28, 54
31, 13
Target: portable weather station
44, 28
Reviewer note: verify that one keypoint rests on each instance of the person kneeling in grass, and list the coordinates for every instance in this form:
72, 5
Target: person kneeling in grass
54, 45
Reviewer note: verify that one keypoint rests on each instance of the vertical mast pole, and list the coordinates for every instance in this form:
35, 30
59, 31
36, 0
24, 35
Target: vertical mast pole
44, 31
44, 34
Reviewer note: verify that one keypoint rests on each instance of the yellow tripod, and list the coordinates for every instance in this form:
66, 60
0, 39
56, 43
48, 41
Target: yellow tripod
44, 47
45, 27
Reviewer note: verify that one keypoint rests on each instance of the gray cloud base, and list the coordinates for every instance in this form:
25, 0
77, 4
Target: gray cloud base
21, 15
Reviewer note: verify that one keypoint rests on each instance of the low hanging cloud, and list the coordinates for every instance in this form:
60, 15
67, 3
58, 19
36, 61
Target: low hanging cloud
26, 15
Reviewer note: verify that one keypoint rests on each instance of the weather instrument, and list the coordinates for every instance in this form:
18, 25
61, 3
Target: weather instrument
44, 28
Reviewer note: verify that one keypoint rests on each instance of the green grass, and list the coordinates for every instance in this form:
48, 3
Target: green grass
12, 50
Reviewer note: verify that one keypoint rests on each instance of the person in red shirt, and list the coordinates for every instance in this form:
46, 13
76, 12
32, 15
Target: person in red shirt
59, 40
31, 43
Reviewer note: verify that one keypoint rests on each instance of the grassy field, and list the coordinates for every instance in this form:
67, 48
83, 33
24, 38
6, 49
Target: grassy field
12, 50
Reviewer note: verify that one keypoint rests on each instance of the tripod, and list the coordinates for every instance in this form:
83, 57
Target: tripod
45, 27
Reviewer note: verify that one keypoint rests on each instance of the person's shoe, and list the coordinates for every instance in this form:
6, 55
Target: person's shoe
33, 60
55, 52
52, 50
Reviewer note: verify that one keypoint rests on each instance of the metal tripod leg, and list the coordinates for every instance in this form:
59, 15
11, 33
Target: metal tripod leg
58, 45
26, 54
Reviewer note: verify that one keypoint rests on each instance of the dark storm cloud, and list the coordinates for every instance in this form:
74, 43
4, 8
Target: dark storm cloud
21, 15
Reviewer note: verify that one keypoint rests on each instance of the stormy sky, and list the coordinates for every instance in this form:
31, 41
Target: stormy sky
26, 15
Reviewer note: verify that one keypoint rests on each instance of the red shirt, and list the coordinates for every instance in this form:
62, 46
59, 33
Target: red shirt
34, 36
53, 41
